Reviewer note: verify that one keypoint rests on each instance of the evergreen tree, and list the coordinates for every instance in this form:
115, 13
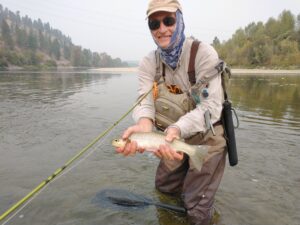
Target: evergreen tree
21, 37
216, 42
32, 42
42, 41
86, 58
76, 56
6, 34
96, 59
67, 51
55, 49
298, 31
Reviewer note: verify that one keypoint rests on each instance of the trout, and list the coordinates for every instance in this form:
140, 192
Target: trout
152, 140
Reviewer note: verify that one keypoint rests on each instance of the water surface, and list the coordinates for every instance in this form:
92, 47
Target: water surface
46, 118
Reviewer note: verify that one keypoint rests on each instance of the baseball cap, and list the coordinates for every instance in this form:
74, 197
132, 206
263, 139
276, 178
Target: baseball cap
163, 5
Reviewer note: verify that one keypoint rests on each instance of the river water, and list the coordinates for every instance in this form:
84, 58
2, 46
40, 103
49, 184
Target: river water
47, 118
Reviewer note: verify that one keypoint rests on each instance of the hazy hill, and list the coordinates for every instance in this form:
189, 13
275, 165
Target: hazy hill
32, 43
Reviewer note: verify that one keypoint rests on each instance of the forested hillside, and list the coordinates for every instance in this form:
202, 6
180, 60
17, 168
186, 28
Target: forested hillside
31, 43
274, 44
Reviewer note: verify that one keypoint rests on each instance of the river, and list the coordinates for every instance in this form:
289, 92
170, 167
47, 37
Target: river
47, 118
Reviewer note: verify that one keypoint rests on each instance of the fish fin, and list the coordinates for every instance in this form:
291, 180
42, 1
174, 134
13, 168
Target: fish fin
198, 158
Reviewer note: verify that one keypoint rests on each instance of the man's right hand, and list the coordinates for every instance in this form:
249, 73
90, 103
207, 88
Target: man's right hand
144, 125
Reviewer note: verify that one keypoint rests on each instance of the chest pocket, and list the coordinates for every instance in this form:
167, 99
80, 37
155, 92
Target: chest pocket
169, 107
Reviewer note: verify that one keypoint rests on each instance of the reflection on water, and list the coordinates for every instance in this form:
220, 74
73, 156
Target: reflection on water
45, 119
272, 99
47, 87
262, 188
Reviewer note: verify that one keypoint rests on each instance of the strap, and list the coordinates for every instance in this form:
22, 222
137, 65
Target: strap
164, 72
224, 69
158, 73
191, 70
160, 68
224, 87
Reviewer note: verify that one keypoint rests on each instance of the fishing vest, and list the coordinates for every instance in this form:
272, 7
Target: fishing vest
170, 102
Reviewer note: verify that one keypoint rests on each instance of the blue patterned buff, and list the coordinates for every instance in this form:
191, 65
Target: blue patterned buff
171, 54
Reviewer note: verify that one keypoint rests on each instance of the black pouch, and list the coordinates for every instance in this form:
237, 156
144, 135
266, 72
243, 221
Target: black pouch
229, 132
227, 120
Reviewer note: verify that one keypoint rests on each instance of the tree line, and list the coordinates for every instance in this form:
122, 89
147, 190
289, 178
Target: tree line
274, 44
27, 42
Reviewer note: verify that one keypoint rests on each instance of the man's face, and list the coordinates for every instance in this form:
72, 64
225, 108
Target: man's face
164, 32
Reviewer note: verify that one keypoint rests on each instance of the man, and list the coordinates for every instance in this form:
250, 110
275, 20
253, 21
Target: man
175, 173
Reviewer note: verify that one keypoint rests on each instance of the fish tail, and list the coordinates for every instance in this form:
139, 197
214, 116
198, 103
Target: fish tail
198, 157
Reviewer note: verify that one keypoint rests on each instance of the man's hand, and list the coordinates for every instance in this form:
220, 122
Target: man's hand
165, 151
144, 125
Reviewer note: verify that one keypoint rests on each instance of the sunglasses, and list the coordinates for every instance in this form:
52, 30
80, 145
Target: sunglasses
155, 24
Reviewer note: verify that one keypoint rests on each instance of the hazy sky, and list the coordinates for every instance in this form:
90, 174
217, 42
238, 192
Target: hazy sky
119, 28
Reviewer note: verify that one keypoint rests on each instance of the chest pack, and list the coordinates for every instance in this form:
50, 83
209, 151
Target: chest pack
170, 102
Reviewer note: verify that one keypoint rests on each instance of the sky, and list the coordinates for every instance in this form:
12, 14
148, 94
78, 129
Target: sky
119, 27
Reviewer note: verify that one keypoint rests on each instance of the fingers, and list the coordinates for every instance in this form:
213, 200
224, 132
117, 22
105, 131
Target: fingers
167, 153
129, 149
141, 150
128, 132
144, 125
171, 136
172, 133
178, 156
158, 154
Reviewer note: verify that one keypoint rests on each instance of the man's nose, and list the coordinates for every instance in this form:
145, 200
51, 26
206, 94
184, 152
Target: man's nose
162, 27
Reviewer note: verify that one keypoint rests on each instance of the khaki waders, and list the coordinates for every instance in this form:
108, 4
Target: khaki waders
197, 188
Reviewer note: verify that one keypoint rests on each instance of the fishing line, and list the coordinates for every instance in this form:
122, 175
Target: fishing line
69, 162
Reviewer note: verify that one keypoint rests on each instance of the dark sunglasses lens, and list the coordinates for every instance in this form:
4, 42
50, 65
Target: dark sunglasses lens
169, 21
153, 24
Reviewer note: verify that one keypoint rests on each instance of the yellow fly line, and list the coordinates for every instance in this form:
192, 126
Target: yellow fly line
68, 163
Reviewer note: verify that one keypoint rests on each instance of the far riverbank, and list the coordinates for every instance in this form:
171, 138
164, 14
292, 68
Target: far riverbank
234, 71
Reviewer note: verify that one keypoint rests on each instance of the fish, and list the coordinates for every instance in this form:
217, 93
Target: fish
152, 140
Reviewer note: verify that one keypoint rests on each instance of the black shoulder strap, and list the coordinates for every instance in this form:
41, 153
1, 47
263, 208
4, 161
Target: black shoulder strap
160, 68
191, 69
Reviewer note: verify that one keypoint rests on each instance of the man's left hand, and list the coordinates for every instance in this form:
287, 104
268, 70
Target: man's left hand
165, 151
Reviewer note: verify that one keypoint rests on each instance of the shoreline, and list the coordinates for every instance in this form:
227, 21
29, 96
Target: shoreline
243, 72
264, 72
233, 71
